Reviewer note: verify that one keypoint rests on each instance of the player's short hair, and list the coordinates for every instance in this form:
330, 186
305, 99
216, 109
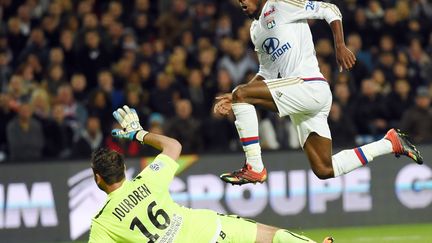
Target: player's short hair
109, 165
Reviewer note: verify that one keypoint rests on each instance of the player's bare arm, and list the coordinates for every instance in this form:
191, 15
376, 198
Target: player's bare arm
344, 57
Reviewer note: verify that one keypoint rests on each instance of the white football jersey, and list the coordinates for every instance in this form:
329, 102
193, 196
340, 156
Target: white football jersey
283, 40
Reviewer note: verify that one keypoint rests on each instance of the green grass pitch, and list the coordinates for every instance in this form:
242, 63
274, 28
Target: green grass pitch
413, 233
421, 233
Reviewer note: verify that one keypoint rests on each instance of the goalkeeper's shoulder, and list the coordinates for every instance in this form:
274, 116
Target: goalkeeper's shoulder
168, 146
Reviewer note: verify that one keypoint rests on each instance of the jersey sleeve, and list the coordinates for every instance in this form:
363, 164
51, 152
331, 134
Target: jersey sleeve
98, 234
160, 172
295, 10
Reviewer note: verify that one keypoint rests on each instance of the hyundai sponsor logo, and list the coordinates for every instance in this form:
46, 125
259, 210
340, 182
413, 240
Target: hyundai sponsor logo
271, 47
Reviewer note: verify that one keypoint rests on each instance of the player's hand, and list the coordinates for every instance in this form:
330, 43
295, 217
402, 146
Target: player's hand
223, 105
345, 58
129, 121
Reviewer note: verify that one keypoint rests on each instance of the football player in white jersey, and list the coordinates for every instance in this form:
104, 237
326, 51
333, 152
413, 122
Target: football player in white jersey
289, 82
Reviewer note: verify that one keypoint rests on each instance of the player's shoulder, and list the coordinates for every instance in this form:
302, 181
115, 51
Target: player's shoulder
278, 8
101, 211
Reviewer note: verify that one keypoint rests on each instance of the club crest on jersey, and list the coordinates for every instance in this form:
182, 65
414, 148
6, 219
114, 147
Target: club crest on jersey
156, 166
271, 47
310, 5
270, 11
271, 23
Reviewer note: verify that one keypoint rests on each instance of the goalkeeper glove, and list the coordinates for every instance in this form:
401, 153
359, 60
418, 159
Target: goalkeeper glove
129, 121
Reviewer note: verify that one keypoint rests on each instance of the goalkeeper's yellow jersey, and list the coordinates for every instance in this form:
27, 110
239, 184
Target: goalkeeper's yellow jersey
142, 210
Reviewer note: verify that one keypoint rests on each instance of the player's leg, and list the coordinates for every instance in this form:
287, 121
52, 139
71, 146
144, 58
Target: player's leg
245, 97
267, 234
315, 137
238, 229
318, 149
393, 142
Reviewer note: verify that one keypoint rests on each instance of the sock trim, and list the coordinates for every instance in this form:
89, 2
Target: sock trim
249, 140
361, 156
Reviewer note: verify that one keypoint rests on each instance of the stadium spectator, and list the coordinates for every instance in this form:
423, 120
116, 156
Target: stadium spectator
145, 76
99, 105
207, 62
37, 45
75, 112
55, 78
343, 96
5, 70
6, 114
25, 136
24, 16
106, 84
40, 101
364, 58
79, 84
369, 110
417, 120
218, 132
342, 127
420, 61
160, 54
143, 29
62, 133
237, 62
90, 139
135, 99
93, 57
223, 84
163, 96
185, 128
392, 26
56, 56
16, 39
362, 27
421, 9
384, 86
375, 14
18, 91
156, 123
196, 93
173, 22
176, 66
398, 101
67, 45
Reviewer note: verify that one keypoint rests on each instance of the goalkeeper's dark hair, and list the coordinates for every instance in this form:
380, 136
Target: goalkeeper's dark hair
109, 165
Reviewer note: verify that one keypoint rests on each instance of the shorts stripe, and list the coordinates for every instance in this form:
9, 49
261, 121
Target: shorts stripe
361, 156
315, 79
277, 83
283, 82
249, 141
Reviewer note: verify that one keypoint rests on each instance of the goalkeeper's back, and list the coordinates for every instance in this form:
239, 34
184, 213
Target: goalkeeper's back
142, 210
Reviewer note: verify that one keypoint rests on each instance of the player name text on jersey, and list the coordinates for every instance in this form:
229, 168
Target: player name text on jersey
131, 201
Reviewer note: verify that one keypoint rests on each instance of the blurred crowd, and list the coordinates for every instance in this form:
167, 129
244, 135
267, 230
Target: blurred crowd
66, 65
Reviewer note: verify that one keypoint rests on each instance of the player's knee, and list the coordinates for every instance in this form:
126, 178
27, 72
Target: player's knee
240, 93
323, 172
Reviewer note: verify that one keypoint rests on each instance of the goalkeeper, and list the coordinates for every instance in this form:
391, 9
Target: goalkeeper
142, 210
